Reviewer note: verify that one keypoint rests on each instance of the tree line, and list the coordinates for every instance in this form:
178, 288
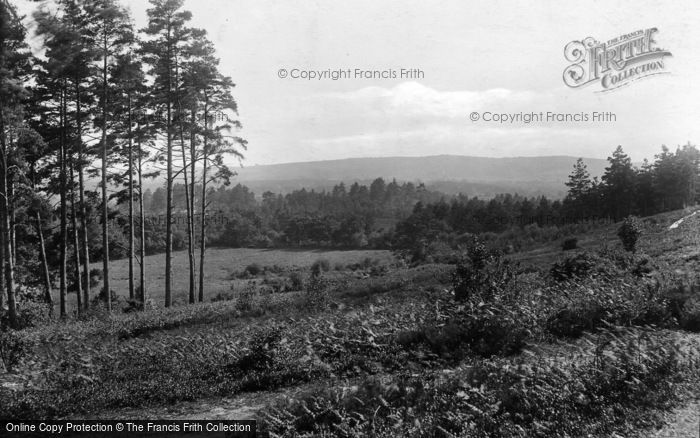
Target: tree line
670, 182
79, 108
356, 215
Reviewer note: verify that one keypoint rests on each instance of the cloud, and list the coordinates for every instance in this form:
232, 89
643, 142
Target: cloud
412, 99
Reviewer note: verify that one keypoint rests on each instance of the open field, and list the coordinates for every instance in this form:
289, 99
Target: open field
223, 263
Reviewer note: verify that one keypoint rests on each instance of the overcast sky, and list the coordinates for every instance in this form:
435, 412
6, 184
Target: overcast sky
500, 56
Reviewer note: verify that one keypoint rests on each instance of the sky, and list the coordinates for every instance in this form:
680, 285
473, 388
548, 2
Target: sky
473, 56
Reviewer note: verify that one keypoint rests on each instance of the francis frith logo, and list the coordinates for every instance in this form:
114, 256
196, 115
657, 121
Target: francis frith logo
616, 62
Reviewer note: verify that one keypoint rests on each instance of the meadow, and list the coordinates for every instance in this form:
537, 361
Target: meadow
221, 266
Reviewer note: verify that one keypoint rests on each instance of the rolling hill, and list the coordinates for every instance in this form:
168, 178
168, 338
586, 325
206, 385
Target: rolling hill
475, 176
450, 174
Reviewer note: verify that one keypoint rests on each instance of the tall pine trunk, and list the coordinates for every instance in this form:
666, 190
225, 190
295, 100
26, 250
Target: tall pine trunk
105, 234
63, 227
76, 241
7, 266
203, 225
81, 198
142, 226
131, 206
169, 182
7, 243
190, 243
46, 277
203, 218
188, 204
193, 160
3, 297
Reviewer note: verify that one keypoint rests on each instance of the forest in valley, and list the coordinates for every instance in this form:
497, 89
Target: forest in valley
405, 215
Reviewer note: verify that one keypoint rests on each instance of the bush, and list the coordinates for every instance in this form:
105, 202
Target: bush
378, 270
573, 321
246, 298
481, 275
629, 233
12, 349
586, 306
95, 277
29, 314
101, 298
316, 296
690, 321
132, 305
320, 266
297, 281
261, 351
486, 334
253, 269
224, 296
276, 284
569, 244
578, 266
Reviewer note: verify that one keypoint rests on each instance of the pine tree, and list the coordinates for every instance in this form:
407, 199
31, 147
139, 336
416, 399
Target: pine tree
166, 34
129, 86
113, 31
14, 69
619, 185
577, 201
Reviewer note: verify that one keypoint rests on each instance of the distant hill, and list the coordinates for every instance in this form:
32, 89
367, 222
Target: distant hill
450, 174
474, 176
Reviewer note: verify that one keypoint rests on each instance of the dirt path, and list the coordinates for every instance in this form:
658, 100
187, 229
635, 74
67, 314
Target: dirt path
677, 223
239, 407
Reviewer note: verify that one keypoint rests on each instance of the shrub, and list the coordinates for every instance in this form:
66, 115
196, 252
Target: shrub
12, 349
573, 321
378, 270
95, 277
486, 334
574, 267
297, 280
586, 306
253, 269
29, 314
275, 284
224, 295
320, 266
316, 295
246, 297
569, 244
629, 233
481, 275
691, 321
261, 351
132, 305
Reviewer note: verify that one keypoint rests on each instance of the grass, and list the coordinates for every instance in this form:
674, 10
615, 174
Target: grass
220, 265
